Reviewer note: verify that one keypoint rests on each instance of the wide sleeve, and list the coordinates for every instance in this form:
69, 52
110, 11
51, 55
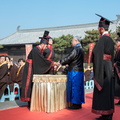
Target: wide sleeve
98, 64
46, 53
26, 87
68, 59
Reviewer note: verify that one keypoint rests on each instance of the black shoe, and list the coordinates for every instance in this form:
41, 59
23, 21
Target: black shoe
100, 118
105, 117
118, 103
75, 106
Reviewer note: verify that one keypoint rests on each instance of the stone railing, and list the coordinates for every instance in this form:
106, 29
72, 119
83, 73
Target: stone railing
89, 84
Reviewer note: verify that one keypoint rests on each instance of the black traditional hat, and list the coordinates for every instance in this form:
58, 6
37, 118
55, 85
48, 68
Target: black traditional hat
45, 38
45, 35
104, 22
118, 39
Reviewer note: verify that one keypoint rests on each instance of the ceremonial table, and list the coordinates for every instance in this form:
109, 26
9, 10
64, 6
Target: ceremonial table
48, 93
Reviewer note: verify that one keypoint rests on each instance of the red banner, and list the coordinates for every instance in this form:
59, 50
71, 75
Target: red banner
91, 46
28, 48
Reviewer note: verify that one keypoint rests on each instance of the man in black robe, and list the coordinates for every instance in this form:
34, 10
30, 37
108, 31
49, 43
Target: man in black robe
117, 70
103, 53
3, 75
35, 64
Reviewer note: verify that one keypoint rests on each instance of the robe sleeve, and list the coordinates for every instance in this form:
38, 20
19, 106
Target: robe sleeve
98, 64
27, 79
68, 58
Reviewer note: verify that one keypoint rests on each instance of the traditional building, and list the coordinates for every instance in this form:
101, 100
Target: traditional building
14, 44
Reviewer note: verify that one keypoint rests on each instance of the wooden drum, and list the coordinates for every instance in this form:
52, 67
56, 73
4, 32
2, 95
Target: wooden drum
48, 93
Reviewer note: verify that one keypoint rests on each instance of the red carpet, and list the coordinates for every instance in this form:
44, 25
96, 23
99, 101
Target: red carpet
22, 113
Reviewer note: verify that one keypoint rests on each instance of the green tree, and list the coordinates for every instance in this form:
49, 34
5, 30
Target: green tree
38, 42
118, 28
62, 44
91, 36
114, 34
1, 46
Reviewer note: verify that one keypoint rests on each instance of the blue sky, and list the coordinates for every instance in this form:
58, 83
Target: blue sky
30, 14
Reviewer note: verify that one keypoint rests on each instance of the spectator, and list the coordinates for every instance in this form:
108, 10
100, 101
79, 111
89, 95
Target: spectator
18, 80
3, 74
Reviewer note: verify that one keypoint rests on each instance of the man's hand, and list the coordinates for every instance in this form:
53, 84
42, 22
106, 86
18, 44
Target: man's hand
55, 63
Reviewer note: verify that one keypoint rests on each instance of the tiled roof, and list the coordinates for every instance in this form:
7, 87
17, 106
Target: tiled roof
26, 36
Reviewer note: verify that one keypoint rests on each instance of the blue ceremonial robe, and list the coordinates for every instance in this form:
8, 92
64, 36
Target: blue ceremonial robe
75, 87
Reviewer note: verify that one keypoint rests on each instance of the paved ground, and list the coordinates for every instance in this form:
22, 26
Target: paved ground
16, 103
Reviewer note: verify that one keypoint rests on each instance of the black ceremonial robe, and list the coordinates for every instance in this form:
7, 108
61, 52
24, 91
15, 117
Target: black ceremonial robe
103, 95
49, 54
35, 64
117, 74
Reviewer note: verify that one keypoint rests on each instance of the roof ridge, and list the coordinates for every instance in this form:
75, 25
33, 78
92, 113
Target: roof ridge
56, 28
8, 36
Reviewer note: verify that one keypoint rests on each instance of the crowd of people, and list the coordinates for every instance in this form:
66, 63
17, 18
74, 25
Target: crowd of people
41, 61
10, 73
